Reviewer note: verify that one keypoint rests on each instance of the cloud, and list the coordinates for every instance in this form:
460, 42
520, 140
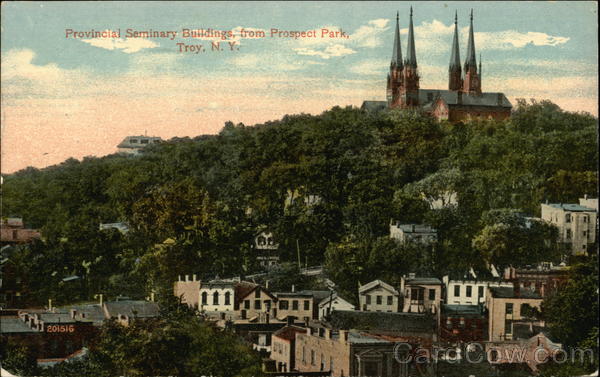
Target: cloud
370, 35
335, 50
127, 45
435, 38
18, 64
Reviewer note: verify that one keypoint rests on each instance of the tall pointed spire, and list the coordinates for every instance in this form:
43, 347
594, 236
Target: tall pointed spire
471, 61
411, 57
397, 54
455, 54
454, 70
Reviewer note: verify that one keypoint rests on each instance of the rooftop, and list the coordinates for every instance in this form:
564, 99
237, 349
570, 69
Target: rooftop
507, 292
461, 310
571, 207
138, 141
289, 332
406, 322
132, 308
423, 281
11, 325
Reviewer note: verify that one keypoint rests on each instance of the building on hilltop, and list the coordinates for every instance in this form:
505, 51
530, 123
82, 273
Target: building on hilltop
133, 145
463, 100
576, 225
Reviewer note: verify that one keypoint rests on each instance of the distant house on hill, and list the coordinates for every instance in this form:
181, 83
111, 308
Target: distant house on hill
134, 144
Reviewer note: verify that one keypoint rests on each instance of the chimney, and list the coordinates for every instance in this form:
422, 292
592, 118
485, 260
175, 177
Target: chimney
344, 336
194, 277
178, 277
187, 277
402, 282
293, 288
267, 284
327, 333
152, 296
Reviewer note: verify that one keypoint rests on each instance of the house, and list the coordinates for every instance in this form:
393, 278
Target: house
378, 296
133, 145
354, 344
420, 294
463, 100
576, 225
126, 311
469, 290
120, 226
266, 249
526, 348
301, 304
217, 296
507, 307
283, 347
463, 323
188, 290
331, 303
13, 231
255, 303
542, 279
416, 233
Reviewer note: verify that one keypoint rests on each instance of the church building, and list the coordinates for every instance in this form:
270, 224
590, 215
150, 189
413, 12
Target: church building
463, 100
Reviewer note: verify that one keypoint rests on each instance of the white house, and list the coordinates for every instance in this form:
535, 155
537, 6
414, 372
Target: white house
132, 145
331, 303
576, 224
378, 296
412, 233
217, 296
470, 291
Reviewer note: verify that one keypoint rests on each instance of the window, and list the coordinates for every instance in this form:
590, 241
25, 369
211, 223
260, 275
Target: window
304, 354
584, 233
257, 304
247, 304
469, 291
312, 357
568, 234
379, 300
432, 294
283, 305
368, 299
417, 294
257, 293
144, 141
585, 219
295, 305
227, 298
216, 298
457, 291
261, 241
507, 327
306, 305
204, 298
390, 300
480, 291
133, 141
508, 308
568, 218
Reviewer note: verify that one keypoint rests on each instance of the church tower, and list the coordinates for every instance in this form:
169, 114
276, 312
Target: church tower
395, 78
409, 93
472, 81
454, 70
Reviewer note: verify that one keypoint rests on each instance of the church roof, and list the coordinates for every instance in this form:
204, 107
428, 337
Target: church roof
455, 53
397, 53
451, 97
374, 106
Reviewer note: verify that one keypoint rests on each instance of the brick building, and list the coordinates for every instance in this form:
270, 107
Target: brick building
283, 348
542, 280
464, 98
462, 323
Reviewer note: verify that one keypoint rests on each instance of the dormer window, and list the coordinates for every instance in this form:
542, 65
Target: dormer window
133, 141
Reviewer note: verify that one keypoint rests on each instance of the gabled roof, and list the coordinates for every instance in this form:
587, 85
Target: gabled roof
377, 283
374, 106
243, 289
289, 332
335, 296
456, 98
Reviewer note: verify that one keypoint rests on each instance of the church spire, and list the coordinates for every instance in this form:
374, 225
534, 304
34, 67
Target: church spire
472, 80
455, 55
397, 54
411, 58
454, 70
471, 61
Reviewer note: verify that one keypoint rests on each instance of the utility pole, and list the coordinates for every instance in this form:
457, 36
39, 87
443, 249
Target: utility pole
298, 250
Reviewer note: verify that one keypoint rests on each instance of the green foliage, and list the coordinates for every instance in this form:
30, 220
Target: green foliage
209, 195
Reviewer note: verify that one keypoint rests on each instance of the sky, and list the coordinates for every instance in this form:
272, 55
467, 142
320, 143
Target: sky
73, 97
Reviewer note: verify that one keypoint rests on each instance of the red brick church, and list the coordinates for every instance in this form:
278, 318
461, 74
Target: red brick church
463, 100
